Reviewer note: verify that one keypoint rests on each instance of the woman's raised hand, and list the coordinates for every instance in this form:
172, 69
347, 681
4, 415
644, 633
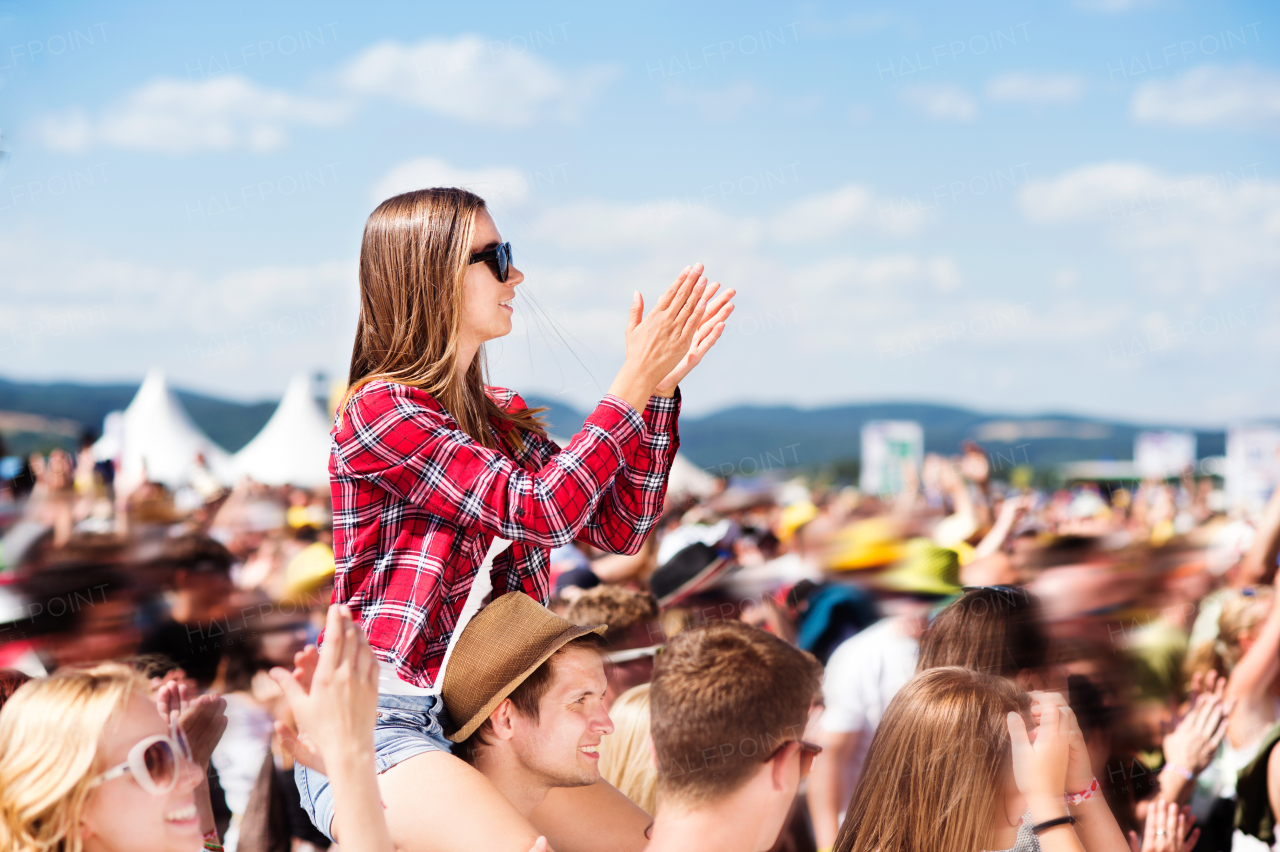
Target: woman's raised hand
1040, 769
1079, 768
657, 344
714, 312
1195, 740
336, 711
1166, 830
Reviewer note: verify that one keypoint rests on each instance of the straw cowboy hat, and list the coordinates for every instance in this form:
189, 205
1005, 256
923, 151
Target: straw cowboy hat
498, 649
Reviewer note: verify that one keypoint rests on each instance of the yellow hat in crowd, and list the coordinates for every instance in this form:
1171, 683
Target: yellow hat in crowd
794, 517
865, 544
310, 569
926, 569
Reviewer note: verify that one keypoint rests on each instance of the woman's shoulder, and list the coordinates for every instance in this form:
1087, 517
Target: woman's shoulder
379, 399
381, 390
506, 398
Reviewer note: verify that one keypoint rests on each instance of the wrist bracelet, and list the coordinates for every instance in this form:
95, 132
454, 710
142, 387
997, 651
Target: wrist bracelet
1087, 792
1181, 770
1052, 823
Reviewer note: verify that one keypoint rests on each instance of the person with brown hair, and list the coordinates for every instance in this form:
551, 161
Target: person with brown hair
634, 636
446, 491
526, 690
865, 671
952, 768
334, 702
992, 629
730, 704
10, 680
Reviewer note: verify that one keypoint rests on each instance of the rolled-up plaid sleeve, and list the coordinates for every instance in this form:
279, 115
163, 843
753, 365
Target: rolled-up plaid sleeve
632, 504
390, 438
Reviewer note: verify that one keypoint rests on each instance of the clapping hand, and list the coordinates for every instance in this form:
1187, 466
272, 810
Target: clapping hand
1079, 774
1166, 830
334, 699
301, 747
1195, 739
203, 718
1040, 768
714, 312
665, 345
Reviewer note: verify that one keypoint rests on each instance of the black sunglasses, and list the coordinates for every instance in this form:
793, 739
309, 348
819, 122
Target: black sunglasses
808, 751
501, 257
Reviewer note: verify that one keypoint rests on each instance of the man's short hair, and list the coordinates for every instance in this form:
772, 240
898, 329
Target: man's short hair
527, 697
619, 607
194, 553
724, 698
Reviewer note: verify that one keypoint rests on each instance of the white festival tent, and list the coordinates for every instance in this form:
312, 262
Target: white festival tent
156, 438
686, 478
689, 479
293, 447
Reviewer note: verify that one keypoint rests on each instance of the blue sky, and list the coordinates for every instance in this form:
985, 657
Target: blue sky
1064, 206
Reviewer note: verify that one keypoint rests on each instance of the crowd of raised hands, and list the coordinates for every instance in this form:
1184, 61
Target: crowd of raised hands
1051, 761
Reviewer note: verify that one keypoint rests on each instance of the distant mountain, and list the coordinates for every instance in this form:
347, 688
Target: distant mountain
230, 424
743, 439
747, 438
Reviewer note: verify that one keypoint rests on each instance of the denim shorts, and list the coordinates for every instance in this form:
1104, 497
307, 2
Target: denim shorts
407, 725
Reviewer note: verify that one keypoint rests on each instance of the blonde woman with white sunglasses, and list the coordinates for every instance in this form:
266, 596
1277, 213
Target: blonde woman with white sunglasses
89, 764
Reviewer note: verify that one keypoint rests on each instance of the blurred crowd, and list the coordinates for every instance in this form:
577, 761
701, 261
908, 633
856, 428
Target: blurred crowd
1148, 606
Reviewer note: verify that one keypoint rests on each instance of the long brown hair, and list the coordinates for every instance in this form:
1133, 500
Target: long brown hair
994, 630
936, 766
413, 262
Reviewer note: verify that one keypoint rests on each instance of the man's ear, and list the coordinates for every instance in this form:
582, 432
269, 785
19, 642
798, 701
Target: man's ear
502, 720
777, 767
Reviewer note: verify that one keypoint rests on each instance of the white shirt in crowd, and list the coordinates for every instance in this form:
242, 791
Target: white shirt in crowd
239, 757
862, 676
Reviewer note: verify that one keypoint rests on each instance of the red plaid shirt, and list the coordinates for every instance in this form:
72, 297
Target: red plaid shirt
417, 502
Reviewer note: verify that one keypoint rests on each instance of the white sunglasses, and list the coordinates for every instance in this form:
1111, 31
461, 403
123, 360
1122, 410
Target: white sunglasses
153, 761
632, 654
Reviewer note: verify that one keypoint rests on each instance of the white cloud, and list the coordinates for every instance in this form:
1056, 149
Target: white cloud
1243, 97
464, 79
1201, 232
605, 225
499, 185
173, 116
660, 226
834, 214
1035, 89
943, 102
247, 328
1090, 191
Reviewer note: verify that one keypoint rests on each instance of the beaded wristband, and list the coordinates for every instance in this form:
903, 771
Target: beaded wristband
211, 842
1181, 770
1077, 798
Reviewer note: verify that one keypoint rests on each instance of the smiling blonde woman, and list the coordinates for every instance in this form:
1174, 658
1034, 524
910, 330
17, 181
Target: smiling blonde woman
88, 764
